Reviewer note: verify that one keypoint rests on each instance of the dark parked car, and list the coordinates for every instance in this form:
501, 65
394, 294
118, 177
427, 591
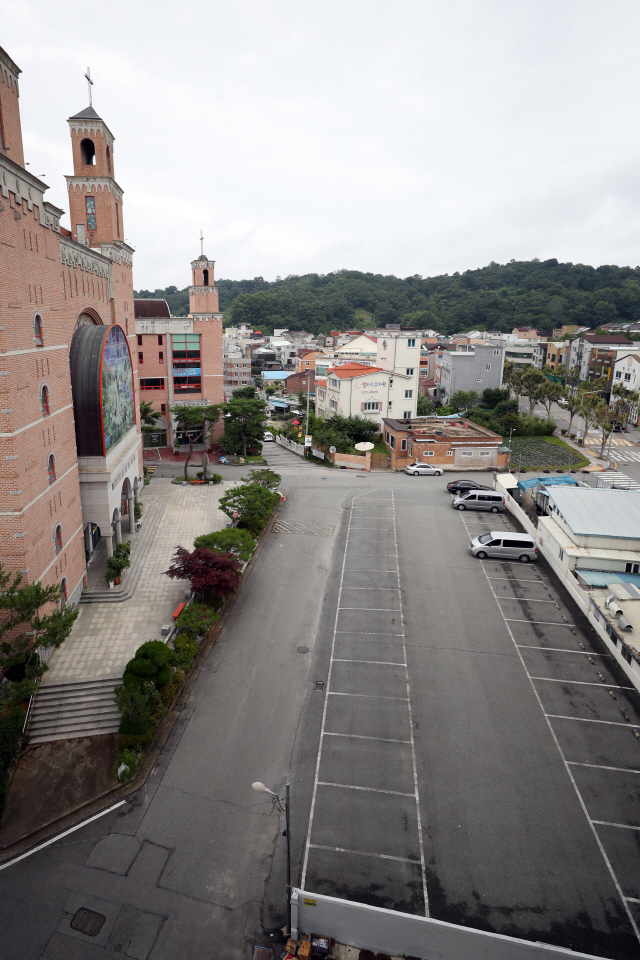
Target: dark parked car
462, 486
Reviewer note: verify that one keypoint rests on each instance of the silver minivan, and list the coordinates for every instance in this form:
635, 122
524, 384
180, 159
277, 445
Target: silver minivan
480, 500
504, 546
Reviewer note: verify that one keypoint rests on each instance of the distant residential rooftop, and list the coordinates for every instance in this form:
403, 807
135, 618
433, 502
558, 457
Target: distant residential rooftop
600, 511
434, 427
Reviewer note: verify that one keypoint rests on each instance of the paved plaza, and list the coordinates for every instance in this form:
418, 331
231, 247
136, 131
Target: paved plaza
106, 635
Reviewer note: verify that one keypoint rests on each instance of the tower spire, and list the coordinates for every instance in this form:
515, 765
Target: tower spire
201, 244
89, 84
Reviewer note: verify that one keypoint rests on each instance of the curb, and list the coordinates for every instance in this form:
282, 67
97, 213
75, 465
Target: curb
124, 790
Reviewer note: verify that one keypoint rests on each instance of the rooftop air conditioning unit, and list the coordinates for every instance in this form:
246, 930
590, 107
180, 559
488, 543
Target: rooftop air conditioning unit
614, 609
624, 624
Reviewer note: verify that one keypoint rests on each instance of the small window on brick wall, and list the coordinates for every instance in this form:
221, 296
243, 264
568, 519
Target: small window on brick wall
63, 590
37, 330
57, 538
44, 400
140, 357
51, 468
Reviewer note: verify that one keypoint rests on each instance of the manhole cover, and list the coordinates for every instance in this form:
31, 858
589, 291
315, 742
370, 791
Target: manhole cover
302, 649
88, 922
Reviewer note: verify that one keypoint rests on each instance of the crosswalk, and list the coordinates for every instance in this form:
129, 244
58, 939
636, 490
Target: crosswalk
627, 456
613, 478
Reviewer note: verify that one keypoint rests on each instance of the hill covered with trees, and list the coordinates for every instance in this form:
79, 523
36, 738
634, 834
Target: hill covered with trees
544, 294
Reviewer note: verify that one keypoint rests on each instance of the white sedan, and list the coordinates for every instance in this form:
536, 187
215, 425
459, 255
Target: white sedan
267, 436
423, 469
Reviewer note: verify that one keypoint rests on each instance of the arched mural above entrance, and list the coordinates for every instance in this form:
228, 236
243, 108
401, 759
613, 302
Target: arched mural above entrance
102, 385
88, 318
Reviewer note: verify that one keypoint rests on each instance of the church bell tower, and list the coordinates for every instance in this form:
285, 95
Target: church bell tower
95, 199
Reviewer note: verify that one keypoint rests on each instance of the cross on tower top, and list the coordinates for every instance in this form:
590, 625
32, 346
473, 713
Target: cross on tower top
89, 84
201, 244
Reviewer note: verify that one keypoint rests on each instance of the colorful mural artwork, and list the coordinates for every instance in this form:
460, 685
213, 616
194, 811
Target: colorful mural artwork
118, 408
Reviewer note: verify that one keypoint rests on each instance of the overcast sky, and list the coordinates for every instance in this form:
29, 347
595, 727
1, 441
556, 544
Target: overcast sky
419, 136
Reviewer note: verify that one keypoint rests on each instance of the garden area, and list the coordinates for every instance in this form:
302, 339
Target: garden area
540, 453
154, 677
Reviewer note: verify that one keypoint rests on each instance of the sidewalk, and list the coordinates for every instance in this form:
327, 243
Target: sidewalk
106, 635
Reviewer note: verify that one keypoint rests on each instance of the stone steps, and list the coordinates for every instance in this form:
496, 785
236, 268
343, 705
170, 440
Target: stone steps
100, 593
82, 708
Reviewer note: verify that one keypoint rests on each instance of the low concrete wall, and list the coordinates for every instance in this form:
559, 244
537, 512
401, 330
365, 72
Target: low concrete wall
399, 934
352, 462
581, 597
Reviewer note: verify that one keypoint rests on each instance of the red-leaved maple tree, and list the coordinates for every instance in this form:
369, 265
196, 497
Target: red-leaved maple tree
207, 570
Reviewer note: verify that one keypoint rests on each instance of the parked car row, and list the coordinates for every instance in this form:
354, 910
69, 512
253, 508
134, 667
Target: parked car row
470, 495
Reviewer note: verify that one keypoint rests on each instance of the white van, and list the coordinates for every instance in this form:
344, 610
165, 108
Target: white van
504, 546
480, 500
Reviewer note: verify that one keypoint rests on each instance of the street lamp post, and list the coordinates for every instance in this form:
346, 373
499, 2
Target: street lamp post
283, 802
306, 430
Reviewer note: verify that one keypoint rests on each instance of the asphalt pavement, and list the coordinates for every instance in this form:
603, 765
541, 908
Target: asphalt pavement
451, 749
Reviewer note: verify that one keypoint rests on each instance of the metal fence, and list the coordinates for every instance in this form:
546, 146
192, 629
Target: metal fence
290, 445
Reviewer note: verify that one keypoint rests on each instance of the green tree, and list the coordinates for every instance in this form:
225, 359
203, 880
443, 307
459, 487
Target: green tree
574, 404
512, 378
243, 424
189, 418
22, 626
244, 393
266, 478
251, 504
463, 400
532, 380
572, 377
425, 406
623, 403
549, 393
588, 407
229, 540
604, 417
148, 415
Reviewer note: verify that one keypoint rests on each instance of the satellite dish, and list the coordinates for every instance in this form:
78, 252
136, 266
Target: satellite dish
365, 445
332, 449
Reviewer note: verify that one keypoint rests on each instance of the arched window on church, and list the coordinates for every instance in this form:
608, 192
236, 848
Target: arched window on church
57, 538
44, 400
88, 150
108, 160
205, 277
51, 468
37, 330
63, 591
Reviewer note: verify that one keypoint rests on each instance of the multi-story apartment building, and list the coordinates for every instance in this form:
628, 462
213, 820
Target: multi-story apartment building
627, 374
595, 354
469, 368
236, 371
70, 439
524, 355
353, 389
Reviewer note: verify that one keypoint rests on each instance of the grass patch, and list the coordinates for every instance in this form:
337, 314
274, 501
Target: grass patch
549, 453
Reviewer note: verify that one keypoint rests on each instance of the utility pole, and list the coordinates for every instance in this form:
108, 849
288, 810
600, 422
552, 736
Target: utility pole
306, 431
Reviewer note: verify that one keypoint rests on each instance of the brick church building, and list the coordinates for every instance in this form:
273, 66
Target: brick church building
70, 354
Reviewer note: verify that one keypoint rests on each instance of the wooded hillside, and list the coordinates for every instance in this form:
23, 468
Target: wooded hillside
497, 297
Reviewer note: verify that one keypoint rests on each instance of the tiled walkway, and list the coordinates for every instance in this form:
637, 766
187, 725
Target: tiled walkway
105, 636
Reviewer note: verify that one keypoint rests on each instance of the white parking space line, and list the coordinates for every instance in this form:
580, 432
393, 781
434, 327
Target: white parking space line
361, 853
585, 683
359, 736
374, 588
525, 599
609, 723
621, 826
368, 570
382, 663
600, 766
518, 580
372, 609
350, 786
631, 900
582, 653
369, 696
547, 717
546, 623
400, 636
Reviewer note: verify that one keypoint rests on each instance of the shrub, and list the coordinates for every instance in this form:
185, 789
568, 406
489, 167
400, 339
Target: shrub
142, 668
136, 718
252, 504
196, 620
216, 573
184, 644
216, 478
164, 676
137, 510
11, 724
230, 540
131, 758
154, 650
